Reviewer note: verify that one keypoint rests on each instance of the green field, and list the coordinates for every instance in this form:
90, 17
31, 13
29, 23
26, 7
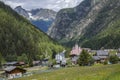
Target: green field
102, 72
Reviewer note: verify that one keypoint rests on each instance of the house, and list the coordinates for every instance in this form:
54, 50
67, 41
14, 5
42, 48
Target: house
22, 63
118, 54
14, 63
101, 56
36, 63
102, 53
45, 62
60, 58
14, 72
74, 54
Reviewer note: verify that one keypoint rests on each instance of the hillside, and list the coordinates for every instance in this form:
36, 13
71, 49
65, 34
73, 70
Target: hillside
93, 24
18, 36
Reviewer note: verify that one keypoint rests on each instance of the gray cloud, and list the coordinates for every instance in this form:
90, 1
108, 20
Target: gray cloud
50, 4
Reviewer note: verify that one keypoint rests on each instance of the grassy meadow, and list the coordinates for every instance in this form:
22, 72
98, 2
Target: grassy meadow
101, 72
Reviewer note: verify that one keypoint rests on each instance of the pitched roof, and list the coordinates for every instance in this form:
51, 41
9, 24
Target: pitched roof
96, 57
102, 53
10, 68
99, 57
11, 63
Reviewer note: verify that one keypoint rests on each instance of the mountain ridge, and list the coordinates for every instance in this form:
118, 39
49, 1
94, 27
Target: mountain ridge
42, 18
83, 23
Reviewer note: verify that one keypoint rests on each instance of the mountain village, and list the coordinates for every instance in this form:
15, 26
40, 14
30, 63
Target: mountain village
54, 42
19, 69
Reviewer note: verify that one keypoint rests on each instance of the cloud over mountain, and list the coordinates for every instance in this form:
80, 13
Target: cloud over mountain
50, 4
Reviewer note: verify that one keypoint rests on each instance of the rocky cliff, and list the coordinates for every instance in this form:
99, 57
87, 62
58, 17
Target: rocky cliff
41, 18
85, 22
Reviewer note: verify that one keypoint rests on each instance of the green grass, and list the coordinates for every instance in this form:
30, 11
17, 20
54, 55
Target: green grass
114, 76
103, 72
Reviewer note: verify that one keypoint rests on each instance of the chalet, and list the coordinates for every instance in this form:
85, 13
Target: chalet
75, 52
60, 58
101, 56
14, 72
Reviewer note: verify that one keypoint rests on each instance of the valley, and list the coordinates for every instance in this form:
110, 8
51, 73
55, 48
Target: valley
78, 42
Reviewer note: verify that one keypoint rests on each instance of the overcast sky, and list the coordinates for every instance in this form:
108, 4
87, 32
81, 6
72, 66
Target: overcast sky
50, 4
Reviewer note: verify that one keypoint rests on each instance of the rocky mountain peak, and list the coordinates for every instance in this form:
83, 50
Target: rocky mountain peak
71, 23
40, 17
22, 11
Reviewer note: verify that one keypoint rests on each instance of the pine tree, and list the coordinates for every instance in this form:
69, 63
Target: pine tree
85, 59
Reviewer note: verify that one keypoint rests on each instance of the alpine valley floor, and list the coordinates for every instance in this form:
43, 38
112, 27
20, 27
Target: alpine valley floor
100, 72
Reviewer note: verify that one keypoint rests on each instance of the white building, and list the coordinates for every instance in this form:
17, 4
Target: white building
60, 58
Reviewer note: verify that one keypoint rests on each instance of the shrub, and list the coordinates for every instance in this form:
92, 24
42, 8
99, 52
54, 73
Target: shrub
114, 59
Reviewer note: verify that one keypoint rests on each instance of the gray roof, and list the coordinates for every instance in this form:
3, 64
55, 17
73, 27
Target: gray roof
96, 58
10, 68
102, 53
11, 63
102, 57
99, 57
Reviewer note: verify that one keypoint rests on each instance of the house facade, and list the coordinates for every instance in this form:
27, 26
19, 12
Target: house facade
60, 58
14, 72
101, 56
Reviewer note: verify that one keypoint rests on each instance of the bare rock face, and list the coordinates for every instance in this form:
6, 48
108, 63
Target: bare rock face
22, 11
41, 18
70, 23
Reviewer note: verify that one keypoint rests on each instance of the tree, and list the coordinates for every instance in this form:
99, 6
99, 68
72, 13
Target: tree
23, 58
0, 60
114, 59
30, 60
54, 54
85, 59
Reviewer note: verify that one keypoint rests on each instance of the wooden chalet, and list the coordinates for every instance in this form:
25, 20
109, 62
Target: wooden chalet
14, 72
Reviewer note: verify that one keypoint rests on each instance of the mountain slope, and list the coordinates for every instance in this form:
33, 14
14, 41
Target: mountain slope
18, 36
42, 18
105, 31
22, 12
70, 23
88, 24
